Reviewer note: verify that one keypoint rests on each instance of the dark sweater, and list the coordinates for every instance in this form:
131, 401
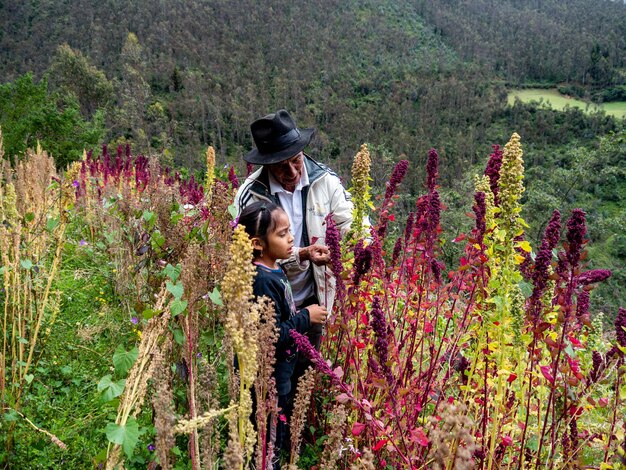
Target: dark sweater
274, 284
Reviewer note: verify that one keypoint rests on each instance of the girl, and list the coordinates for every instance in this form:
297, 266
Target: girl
268, 227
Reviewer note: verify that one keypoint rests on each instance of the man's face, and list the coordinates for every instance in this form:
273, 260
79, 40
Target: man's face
288, 172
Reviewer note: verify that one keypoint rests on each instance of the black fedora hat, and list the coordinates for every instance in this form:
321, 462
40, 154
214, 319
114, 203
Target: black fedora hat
277, 138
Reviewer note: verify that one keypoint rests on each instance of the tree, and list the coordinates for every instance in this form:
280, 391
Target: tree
134, 96
71, 73
29, 114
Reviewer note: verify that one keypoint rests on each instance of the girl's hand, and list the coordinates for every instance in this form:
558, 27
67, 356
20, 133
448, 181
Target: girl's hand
317, 313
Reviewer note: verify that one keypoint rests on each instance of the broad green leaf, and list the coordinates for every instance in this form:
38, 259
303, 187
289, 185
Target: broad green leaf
52, 223
216, 297
175, 218
176, 290
127, 435
111, 389
148, 216
179, 337
157, 240
11, 415
29, 217
149, 313
178, 306
29, 378
232, 210
525, 288
172, 271
123, 360
26, 263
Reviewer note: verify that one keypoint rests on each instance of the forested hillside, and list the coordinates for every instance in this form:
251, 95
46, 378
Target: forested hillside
171, 77
577, 41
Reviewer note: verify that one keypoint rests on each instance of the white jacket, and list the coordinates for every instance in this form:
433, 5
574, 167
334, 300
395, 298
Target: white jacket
324, 195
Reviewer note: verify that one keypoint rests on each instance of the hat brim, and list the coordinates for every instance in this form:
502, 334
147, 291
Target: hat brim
257, 158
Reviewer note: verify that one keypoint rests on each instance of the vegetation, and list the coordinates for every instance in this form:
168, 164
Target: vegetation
121, 320
555, 98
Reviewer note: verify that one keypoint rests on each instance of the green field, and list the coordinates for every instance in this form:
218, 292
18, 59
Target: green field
556, 100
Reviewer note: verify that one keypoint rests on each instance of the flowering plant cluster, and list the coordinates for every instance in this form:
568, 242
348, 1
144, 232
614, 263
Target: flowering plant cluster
504, 339
495, 362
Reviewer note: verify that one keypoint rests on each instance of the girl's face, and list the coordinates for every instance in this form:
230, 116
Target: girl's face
279, 241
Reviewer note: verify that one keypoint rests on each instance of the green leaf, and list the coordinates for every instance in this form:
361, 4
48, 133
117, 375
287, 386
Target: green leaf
176, 290
22, 340
176, 217
123, 360
179, 337
11, 415
148, 216
149, 313
29, 217
172, 271
232, 210
178, 306
157, 240
525, 288
111, 389
570, 351
52, 223
26, 264
216, 297
622, 392
127, 435
29, 378
2, 269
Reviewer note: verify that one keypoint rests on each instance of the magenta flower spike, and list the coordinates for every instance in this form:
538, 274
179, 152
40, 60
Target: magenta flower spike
480, 210
620, 327
543, 259
576, 231
493, 171
432, 170
333, 241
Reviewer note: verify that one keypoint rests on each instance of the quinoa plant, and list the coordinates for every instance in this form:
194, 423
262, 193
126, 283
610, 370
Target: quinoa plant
32, 235
486, 365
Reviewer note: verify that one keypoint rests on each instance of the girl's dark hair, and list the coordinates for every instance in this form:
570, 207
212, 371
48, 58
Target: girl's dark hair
258, 220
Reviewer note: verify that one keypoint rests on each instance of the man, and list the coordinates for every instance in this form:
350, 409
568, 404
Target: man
308, 191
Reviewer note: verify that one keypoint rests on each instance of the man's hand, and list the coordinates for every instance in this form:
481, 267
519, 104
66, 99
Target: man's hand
317, 314
316, 254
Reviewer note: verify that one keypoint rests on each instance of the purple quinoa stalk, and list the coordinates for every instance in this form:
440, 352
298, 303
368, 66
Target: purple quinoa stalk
398, 174
480, 211
432, 170
543, 259
333, 240
576, 231
232, 177
493, 171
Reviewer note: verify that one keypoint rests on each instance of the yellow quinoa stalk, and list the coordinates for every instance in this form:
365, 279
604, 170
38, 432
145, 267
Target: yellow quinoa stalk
360, 189
31, 243
241, 327
187, 426
503, 304
511, 185
141, 371
209, 180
